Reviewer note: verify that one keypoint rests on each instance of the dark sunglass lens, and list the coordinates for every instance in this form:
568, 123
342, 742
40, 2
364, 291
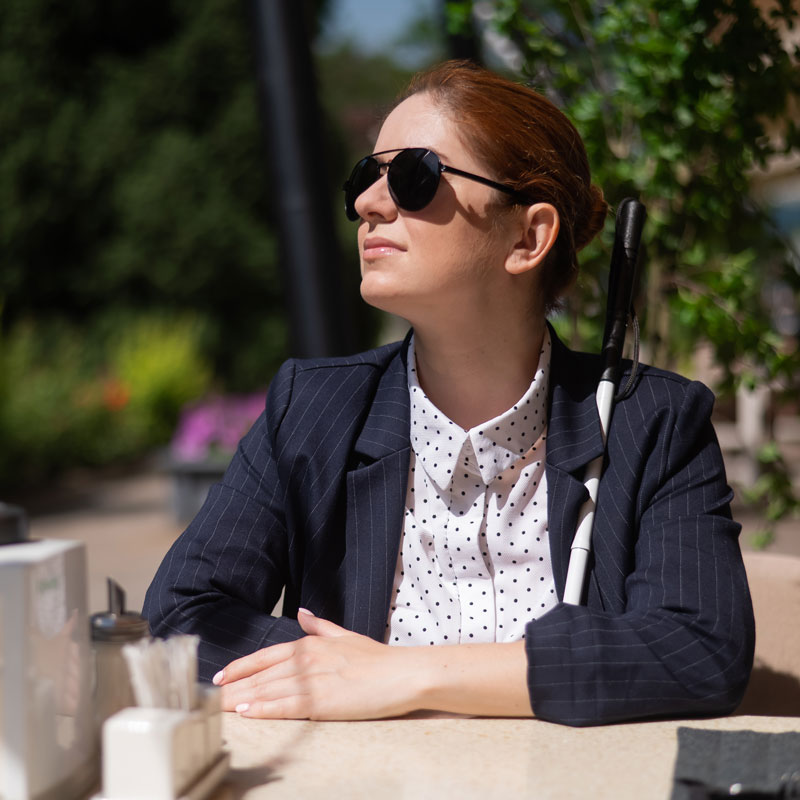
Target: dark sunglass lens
414, 178
364, 174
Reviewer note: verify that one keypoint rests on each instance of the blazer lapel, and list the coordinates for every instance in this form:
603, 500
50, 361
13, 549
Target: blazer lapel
377, 481
574, 438
376, 490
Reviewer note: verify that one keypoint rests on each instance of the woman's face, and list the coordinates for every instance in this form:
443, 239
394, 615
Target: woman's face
448, 255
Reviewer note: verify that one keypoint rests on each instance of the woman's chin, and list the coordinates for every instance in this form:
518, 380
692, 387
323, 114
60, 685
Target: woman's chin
383, 297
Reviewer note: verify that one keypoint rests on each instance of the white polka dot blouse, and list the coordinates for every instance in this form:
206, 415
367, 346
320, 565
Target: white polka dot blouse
474, 563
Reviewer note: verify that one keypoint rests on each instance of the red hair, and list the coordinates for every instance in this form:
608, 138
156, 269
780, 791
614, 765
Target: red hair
528, 143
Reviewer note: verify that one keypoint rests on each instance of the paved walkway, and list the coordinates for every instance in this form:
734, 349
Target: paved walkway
128, 524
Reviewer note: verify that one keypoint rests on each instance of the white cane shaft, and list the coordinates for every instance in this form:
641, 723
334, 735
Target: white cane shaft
576, 575
582, 542
604, 397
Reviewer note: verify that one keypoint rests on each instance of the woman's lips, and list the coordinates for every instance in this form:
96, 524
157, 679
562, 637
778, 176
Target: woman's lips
375, 247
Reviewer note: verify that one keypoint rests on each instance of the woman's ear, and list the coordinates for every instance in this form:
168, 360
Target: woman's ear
540, 226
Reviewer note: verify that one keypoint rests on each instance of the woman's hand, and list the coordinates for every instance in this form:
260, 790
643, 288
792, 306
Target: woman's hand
332, 673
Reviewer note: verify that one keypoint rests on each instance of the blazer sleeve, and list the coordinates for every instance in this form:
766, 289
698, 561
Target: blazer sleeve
224, 574
678, 638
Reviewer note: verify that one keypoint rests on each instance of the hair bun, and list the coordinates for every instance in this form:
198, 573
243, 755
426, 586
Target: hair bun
591, 221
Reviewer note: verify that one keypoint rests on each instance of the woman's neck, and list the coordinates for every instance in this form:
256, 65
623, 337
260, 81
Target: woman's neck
473, 374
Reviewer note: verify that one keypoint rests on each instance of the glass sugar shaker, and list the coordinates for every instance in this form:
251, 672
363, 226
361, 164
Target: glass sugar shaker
111, 630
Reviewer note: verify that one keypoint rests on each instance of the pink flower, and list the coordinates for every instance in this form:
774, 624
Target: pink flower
213, 428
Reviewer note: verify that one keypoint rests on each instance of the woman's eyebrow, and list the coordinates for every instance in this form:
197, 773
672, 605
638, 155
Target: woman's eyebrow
396, 150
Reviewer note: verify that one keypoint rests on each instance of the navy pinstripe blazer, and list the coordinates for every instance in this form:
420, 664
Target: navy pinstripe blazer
313, 501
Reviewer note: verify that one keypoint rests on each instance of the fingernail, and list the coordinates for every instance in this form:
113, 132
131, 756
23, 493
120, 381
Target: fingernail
305, 611
217, 679
242, 707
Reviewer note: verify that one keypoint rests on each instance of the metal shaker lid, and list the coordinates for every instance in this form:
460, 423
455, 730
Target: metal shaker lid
117, 624
127, 627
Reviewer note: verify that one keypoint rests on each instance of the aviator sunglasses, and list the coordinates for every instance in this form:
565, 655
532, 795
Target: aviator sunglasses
413, 178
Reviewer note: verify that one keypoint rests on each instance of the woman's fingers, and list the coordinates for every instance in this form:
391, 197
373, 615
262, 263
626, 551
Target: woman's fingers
282, 708
316, 626
266, 683
331, 674
254, 663
269, 656
252, 696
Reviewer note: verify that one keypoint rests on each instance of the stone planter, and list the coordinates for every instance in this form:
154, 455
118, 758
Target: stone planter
191, 481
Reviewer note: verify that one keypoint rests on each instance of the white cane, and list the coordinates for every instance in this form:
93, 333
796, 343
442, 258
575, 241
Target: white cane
630, 219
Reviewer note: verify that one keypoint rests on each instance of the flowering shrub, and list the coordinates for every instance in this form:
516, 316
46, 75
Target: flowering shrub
211, 430
89, 396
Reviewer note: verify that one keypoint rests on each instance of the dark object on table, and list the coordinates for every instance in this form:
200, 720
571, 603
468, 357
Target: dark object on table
13, 524
743, 764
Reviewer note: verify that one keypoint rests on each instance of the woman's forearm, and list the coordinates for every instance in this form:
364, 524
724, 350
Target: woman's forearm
481, 679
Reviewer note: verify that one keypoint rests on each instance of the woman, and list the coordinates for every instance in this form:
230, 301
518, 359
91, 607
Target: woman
425, 494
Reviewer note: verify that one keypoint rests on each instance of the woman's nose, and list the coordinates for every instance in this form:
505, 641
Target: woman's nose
376, 201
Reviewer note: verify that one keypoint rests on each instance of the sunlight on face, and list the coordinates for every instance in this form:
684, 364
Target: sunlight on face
448, 255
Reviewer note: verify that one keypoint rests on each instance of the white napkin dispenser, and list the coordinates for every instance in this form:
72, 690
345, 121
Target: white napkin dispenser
47, 744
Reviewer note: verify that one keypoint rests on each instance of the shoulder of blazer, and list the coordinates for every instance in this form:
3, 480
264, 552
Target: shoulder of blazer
378, 357
308, 373
357, 402
577, 374
574, 435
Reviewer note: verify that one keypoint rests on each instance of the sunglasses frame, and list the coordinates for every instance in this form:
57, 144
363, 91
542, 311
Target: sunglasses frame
348, 187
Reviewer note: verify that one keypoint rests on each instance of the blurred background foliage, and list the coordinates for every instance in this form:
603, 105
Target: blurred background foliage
685, 105
680, 103
139, 262
137, 255
132, 174
94, 394
139, 267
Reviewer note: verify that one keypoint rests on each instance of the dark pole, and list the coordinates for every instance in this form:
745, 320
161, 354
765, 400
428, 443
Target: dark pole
319, 322
464, 43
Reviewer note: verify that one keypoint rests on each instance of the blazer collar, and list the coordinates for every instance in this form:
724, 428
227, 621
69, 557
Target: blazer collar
386, 428
574, 435
376, 489
574, 438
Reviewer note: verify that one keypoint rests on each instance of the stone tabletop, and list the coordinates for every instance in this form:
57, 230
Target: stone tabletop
438, 757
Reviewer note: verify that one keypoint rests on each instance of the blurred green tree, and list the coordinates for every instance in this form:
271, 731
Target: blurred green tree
680, 103
134, 190
132, 173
